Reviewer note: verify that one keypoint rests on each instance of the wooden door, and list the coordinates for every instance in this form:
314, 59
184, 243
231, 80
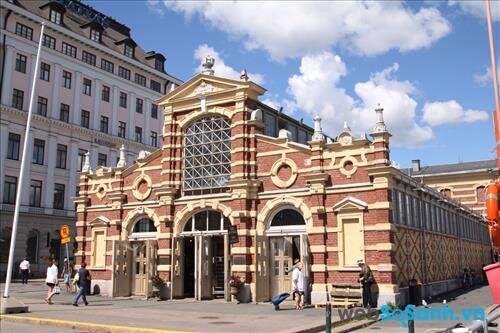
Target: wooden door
306, 268
262, 280
353, 242
140, 264
206, 272
121, 268
151, 265
177, 272
281, 262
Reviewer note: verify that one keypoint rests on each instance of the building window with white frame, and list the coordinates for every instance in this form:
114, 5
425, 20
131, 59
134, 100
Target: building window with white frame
44, 72
138, 134
154, 139
35, 193
123, 72
81, 158
154, 85
85, 119
49, 41
9, 190
105, 93
138, 105
87, 87
55, 16
21, 63
123, 99
207, 155
17, 99
102, 159
140, 79
59, 190
24, 31
154, 111
95, 35
68, 49
66, 79
13, 146
42, 106
88, 58
128, 51
61, 156
38, 151
108, 66
122, 127
104, 124
64, 113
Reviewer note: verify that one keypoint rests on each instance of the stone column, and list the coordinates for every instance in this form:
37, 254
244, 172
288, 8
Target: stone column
131, 114
147, 121
56, 86
25, 197
4, 141
94, 150
96, 113
73, 175
26, 103
75, 108
51, 146
7, 76
114, 107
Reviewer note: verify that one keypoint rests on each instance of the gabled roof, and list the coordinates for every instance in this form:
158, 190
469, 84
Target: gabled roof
453, 168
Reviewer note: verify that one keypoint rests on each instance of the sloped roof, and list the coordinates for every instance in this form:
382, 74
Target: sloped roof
452, 168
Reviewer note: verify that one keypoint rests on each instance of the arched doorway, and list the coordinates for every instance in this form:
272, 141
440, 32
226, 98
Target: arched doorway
143, 249
287, 244
201, 257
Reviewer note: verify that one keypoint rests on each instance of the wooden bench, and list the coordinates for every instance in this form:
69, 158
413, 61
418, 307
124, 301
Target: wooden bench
346, 295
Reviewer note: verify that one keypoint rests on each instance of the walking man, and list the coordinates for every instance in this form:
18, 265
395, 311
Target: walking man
24, 266
366, 279
298, 285
83, 279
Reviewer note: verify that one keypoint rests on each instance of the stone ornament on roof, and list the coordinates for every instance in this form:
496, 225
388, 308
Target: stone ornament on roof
345, 137
380, 125
86, 164
122, 161
318, 132
207, 65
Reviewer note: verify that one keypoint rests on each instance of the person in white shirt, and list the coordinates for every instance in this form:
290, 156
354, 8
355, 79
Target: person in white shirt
298, 285
51, 280
24, 267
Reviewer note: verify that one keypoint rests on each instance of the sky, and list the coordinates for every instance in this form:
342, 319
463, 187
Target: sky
426, 63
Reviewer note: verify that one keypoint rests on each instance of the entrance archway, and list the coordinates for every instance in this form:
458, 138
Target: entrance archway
201, 257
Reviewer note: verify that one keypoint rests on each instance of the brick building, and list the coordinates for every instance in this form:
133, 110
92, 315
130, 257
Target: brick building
328, 202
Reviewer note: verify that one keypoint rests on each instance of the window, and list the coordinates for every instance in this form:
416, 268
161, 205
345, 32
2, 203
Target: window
121, 129
81, 158
38, 151
44, 71
108, 66
35, 193
95, 35
159, 65
17, 99
206, 220
21, 63
88, 58
302, 136
128, 51
123, 99
156, 86
144, 225
102, 159
9, 190
66, 80
32, 244
42, 106
68, 49
104, 124
154, 139
154, 111
64, 113
139, 79
207, 155
24, 31
123, 72
105, 93
85, 119
87, 87
55, 16
138, 134
270, 125
138, 105
49, 41
13, 146
62, 152
58, 196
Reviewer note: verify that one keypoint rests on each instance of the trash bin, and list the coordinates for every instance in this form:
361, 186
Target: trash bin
414, 292
493, 274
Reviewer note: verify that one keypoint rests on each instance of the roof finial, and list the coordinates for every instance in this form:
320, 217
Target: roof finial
86, 163
318, 132
380, 125
122, 162
244, 75
207, 64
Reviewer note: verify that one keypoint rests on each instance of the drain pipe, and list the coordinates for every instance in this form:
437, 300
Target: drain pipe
3, 51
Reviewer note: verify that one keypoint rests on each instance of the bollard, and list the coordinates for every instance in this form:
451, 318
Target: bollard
328, 314
411, 326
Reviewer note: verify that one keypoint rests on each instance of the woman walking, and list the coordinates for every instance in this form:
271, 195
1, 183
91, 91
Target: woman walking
51, 280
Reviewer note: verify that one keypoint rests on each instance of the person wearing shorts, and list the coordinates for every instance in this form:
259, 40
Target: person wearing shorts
298, 285
51, 280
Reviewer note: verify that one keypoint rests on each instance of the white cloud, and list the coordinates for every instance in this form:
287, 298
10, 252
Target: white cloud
220, 68
450, 112
477, 8
316, 90
287, 29
155, 7
486, 77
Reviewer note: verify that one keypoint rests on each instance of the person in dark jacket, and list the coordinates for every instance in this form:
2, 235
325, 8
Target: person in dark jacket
83, 280
366, 279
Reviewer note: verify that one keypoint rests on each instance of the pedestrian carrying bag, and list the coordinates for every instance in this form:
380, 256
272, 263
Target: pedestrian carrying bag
57, 290
76, 278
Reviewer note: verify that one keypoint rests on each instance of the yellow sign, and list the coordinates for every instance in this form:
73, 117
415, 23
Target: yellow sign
64, 231
65, 240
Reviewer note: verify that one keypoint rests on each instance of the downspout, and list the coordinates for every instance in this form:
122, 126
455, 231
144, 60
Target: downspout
4, 27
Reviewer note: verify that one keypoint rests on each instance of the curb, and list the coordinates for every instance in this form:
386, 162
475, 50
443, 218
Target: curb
358, 326
90, 327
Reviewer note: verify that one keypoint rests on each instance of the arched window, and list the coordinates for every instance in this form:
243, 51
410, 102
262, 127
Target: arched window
32, 244
208, 220
144, 225
207, 155
5, 244
287, 217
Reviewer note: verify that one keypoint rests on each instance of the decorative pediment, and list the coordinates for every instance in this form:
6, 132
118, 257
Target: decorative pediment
101, 221
208, 85
350, 203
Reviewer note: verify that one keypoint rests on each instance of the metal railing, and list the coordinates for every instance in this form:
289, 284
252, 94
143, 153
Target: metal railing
480, 326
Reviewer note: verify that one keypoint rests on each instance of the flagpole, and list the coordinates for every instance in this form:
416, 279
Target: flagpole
25, 160
494, 73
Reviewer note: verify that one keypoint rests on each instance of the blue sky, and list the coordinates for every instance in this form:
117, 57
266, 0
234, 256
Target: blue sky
425, 62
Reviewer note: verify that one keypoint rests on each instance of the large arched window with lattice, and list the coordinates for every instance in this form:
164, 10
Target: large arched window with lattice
207, 155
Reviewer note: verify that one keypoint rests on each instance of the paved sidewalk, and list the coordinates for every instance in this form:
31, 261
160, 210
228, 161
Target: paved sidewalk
176, 315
